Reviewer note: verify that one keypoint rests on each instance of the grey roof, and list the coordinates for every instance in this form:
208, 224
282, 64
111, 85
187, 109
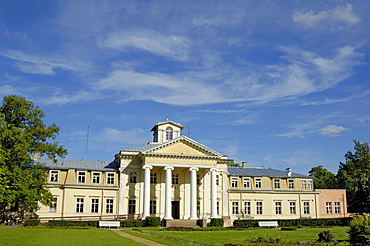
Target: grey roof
261, 171
80, 164
144, 147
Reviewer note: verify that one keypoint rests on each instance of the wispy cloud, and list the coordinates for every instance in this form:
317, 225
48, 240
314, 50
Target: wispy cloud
340, 14
333, 130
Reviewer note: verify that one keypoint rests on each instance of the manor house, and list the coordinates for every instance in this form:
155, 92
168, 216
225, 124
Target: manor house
174, 177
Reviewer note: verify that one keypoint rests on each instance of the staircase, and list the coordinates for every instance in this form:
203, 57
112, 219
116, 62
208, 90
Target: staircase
181, 223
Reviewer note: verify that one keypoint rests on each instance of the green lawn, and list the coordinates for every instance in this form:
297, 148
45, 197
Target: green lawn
55, 237
221, 237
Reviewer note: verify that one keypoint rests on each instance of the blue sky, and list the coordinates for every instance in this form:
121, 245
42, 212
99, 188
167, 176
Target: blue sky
274, 83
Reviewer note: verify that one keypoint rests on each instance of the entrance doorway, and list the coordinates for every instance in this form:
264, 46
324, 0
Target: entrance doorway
175, 209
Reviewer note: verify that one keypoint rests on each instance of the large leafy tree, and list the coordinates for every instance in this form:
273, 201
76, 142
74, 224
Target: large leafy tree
354, 176
23, 134
323, 178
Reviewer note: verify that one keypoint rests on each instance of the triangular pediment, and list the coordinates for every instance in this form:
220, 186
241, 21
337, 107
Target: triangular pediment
183, 146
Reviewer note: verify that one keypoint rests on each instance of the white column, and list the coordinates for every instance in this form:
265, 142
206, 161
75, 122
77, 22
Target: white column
168, 207
193, 193
213, 193
146, 201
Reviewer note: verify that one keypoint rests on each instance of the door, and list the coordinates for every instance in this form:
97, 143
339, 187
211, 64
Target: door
176, 209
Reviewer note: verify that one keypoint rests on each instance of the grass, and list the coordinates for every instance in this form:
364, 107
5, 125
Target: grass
56, 237
303, 235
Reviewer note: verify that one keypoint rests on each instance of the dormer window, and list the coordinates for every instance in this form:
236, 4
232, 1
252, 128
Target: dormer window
169, 133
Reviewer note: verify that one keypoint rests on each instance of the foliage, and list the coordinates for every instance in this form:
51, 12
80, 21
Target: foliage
298, 222
359, 232
216, 222
324, 179
233, 164
354, 175
130, 223
23, 133
72, 223
152, 221
32, 222
288, 228
325, 236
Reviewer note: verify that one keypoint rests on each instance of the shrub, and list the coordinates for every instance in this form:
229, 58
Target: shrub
32, 222
131, 223
359, 231
152, 221
299, 222
217, 222
73, 223
288, 228
325, 236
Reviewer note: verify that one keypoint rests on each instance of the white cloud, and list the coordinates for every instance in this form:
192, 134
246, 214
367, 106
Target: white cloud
132, 137
333, 130
171, 46
340, 14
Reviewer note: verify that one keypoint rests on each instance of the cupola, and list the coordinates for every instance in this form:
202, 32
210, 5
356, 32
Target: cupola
166, 131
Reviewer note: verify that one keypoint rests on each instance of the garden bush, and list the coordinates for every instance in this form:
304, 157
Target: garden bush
217, 222
131, 223
152, 221
73, 223
32, 222
359, 231
298, 222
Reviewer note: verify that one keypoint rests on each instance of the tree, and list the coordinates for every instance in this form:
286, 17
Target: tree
22, 134
324, 179
354, 176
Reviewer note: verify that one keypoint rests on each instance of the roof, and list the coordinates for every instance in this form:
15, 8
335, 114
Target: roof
166, 122
263, 172
80, 164
144, 147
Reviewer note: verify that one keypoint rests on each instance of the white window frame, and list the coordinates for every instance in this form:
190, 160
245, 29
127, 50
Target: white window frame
277, 184
153, 178
337, 207
258, 183
292, 207
234, 207
259, 207
133, 178
246, 182
81, 177
53, 205
175, 178
80, 205
234, 182
247, 207
94, 205
95, 177
153, 207
110, 178
278, 208
329, 208
54, 176
290, 183
306, 207
131, 206
109, 205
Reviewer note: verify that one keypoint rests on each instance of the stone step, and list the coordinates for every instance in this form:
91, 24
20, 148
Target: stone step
181, 223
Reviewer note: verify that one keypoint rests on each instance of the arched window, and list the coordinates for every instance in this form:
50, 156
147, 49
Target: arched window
169, 133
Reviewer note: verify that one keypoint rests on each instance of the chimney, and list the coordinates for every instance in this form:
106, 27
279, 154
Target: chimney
245, 164
36, 155
289, 170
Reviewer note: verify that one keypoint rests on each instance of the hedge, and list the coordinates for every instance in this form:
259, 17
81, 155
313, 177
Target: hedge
298, 222
72, 223
130, 223
216, 222
32, 222
152, 221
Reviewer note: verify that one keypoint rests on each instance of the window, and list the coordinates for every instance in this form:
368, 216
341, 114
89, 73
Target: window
310, 184
198, 207
246, 182
53, 206
277, 183
234, 182
307, 184
337, 207
153, 178
95, 178
81, 177
328, 208
109, 206
198, 180
110, 178
291, 183
292, 208
306, 208
277, 207
54, 176
175, 178
217, 179
153, 207
258, 207
132, 177
94, 205
235, 207
80, 205
169, 133
131, 206
218, 207
247, 207
258, 182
